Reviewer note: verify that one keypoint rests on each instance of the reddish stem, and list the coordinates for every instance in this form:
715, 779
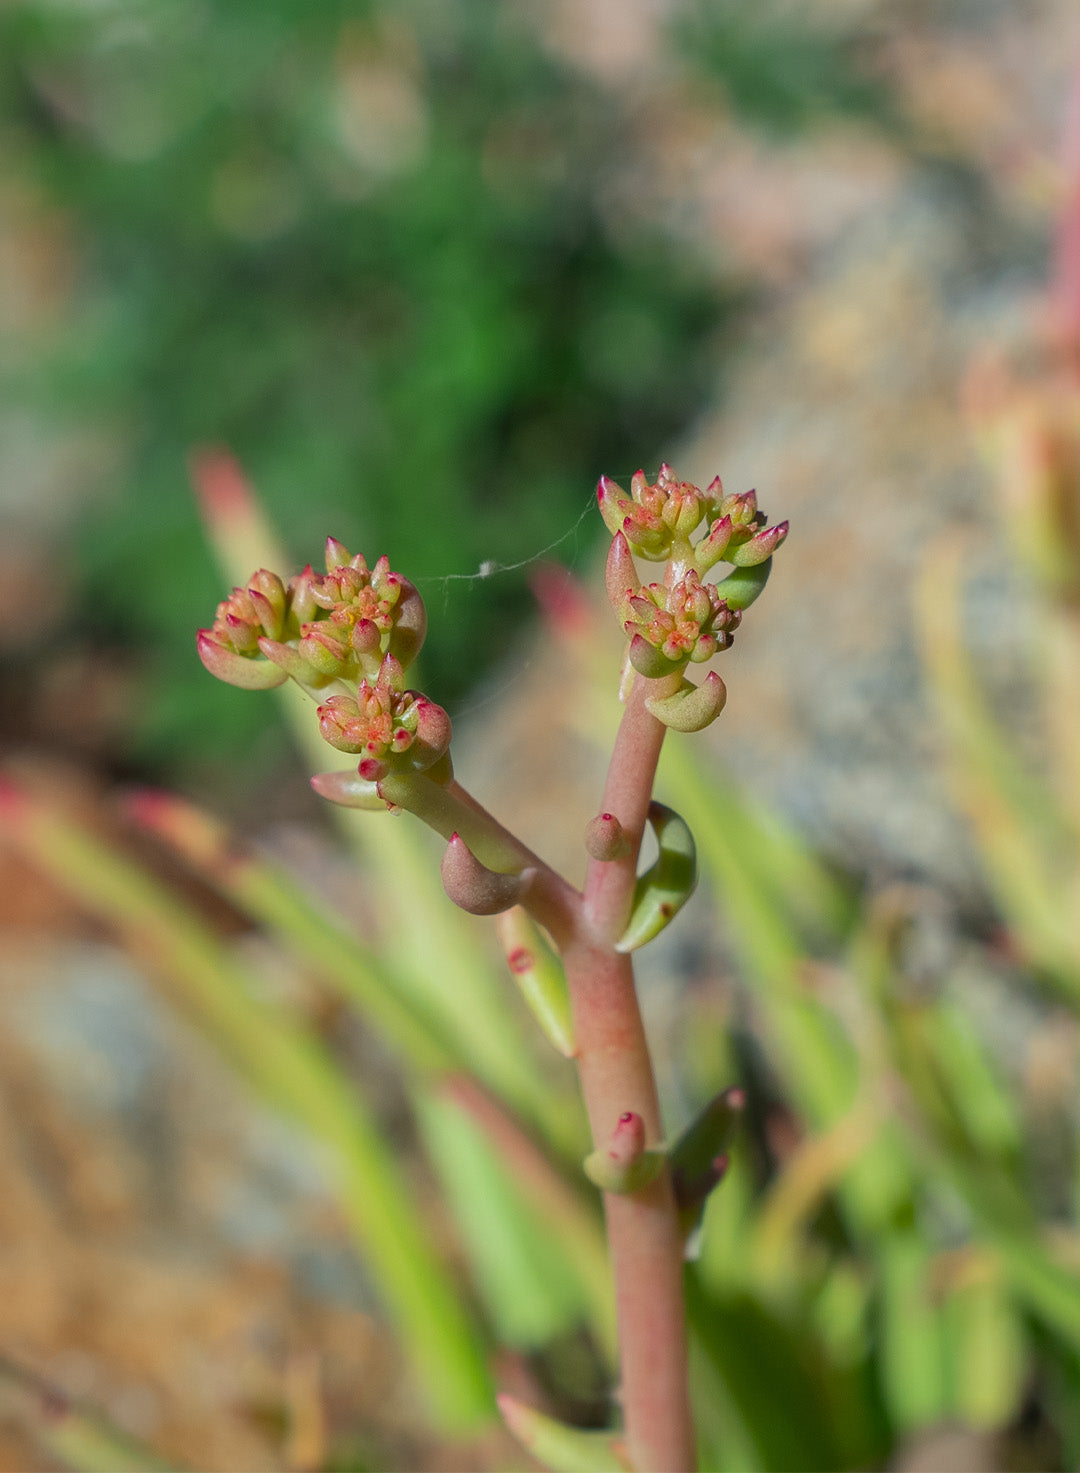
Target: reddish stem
643, 1229
616, 1077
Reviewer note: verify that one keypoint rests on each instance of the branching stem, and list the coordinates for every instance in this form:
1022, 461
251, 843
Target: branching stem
617, 1076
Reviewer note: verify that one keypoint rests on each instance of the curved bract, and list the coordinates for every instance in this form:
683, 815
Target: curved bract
666, 886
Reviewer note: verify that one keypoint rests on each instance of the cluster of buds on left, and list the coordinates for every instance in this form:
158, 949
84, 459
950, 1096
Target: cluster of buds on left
684, 618
346, 637
386, 725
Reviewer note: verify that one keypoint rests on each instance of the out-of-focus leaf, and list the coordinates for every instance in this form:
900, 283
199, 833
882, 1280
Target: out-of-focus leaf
913, 1365
289, 1065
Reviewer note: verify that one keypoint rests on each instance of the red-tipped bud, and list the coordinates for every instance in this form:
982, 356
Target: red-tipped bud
234, 668
270, 598
474, 887
612, 502
760, 547
624, 1164
713, 496
742, 509
647, 660
711, 548
301, 590
605, 838
621, 576
433, 731
365, 638
337, 554
324, 649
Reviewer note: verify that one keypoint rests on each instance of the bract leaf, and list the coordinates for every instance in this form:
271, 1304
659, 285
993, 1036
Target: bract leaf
664, 888
560, 1448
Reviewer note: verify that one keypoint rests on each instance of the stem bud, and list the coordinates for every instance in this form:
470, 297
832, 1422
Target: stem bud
605, 838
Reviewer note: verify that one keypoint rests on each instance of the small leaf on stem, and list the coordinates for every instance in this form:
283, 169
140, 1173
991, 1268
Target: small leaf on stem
560, 1448
664, 888
474, 887
539, 974
624, 1165
691, 707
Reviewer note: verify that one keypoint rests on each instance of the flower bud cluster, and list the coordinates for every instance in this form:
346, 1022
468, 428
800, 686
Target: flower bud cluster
345, 636
658, 520
670, 626
684, 618
319, 628
386, 725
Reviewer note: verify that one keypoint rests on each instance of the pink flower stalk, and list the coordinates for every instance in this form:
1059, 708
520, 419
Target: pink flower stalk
347, 637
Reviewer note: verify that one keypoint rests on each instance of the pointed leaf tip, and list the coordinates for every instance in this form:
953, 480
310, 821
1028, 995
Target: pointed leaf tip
560, 1448
475, 888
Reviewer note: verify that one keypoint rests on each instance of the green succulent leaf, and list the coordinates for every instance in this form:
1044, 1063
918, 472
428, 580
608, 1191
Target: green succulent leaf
666, 886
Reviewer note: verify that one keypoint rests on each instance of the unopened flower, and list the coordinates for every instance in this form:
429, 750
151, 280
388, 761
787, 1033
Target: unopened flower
320, 629
230, 648
671, 626
386, 725
658, 520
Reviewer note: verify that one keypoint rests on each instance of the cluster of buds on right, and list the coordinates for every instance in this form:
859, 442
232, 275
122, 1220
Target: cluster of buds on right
684, 619
659, 520
346, 638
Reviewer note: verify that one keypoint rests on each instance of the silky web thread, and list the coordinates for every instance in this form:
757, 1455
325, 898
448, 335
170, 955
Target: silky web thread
489, 568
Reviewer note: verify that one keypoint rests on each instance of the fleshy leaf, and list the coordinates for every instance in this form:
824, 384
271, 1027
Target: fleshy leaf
474, 887
236, 669
563, 1449
697, 1158
349, 790
666, 886
743, 585
539, 974
691, 707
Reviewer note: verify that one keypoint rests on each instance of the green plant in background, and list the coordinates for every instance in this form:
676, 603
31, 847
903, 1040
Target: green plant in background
377, 243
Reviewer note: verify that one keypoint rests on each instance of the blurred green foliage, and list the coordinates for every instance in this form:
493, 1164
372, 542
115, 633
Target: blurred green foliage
371, 248
396, 255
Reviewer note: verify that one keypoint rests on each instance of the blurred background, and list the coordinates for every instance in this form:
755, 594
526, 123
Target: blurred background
427, 268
